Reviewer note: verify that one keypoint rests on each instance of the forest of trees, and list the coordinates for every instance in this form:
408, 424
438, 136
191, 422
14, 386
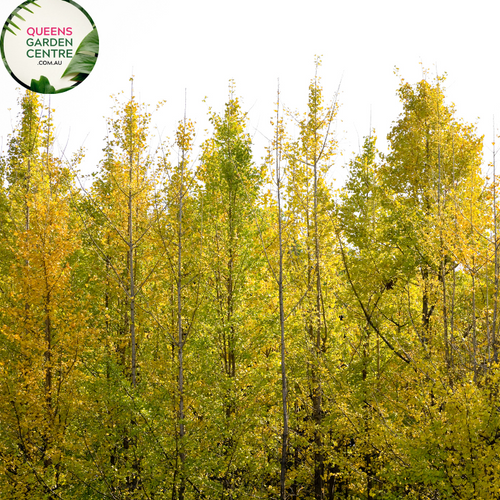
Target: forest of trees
218, 326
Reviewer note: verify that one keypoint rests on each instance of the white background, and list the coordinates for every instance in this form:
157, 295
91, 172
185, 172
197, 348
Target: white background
198, 45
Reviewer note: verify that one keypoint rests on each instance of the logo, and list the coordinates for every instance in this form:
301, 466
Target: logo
49, 46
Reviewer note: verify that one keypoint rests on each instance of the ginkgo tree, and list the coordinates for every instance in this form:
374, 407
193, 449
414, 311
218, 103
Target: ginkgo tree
234, 296
414, 226
432, 159
310, 158
43, 326
180, 232
187, 326
124, 257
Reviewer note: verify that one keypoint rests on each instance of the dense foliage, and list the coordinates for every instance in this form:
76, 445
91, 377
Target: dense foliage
234, 328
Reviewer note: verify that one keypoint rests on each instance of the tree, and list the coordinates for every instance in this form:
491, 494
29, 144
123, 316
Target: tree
42, 324
231, 183
310, 158
414, 230
119, 214
433, 155
277, 146
180, 232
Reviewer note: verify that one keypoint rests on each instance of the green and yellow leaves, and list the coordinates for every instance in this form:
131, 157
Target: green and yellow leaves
41, 320
389, 294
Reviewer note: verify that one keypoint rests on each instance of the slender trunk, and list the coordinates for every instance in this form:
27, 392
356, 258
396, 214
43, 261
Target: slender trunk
133, 480
474, 338
445, 314
107, 294
228, 482
426, 309
33, 129
495, 235
284, 389
47, 438
131, 248
317, 390
296, 460
443, 261
48, 329
454, 287
231, 361
26, 261
366, 415
48, 353
180, 332
26, 204
175, 410
452, 316
378, 358
488, 331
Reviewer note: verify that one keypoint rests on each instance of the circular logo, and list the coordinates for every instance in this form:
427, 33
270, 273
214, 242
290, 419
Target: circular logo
49, 46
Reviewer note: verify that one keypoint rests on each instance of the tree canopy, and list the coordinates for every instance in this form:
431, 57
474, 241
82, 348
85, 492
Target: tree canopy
224, 326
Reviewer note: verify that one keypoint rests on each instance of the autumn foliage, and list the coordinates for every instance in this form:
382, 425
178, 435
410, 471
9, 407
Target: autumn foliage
218, 325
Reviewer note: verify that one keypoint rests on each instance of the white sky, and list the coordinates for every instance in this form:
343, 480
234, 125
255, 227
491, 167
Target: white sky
199, 45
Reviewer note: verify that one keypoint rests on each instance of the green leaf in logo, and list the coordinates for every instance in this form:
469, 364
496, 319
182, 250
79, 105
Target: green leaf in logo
10, 25
84, 60
42, 86
20, 17
23, 6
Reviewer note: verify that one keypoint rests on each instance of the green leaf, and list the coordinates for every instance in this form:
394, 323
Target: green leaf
82, 62
90, 43
79, 77
10, 22
31, 2
42, 86
8, 25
